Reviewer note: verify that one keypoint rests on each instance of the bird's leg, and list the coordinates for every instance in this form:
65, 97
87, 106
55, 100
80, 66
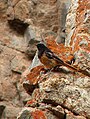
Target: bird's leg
60, 68
46, 70
50, 69
56, 68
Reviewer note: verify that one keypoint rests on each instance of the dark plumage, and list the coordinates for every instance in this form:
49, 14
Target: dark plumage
49, 59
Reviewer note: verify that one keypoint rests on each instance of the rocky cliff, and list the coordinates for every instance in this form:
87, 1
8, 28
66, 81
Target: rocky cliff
53, 95
21, 24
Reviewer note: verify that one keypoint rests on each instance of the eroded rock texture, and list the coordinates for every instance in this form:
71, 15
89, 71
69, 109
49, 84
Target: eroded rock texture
21, 24
61, 95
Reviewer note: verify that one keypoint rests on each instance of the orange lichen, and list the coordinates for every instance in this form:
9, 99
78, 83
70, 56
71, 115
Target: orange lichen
38, 114
31, 102
76, 43
36, 94
59, 49
33, 76
77, 37
81, 33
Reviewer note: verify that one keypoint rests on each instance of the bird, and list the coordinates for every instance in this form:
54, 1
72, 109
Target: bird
49, 59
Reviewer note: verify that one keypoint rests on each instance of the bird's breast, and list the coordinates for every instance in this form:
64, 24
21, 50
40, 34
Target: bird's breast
48, 63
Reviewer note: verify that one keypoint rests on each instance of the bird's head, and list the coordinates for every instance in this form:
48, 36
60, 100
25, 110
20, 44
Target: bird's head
41, 49
41, 46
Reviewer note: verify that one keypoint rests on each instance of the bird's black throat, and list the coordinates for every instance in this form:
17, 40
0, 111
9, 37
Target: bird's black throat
41, 49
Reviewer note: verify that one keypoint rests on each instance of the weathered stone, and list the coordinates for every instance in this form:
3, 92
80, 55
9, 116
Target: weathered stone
3, 4
35, 62
12, 3
10, 80
13, 40
49, 115
10, 13
3, 8
7, 89
18, 64
71, 116
13, 62
33, 113
58, 111
69, 91
33, 39
11, 112
64, 92
25, 114
5, 65
29, 87
21, 10
30, 34
2, 107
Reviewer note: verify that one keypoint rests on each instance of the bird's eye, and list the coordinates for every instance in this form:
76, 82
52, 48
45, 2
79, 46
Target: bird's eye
49, 55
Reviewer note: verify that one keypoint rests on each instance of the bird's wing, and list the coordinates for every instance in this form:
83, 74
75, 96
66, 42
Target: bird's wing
51, 55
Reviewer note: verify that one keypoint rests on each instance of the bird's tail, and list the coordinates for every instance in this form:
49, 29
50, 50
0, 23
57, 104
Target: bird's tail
76, 69
71, 67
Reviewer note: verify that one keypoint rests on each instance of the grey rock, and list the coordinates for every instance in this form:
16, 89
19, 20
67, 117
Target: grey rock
35, 62
21, 10
31, 113
2, 107
25, 114
71, 116
30, 34
32, 39
11, 112
18, 63
66, 93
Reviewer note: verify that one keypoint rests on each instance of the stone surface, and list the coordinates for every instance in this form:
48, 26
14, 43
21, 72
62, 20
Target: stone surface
69, 94
17, 45
66, 92
56, 94
32, 37
2, 107
33, 113
71, 116
22, 9
11, 112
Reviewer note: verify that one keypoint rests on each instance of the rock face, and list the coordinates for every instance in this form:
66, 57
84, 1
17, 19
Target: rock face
55, 95
58, 95
21, 24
